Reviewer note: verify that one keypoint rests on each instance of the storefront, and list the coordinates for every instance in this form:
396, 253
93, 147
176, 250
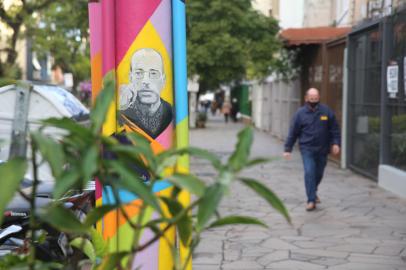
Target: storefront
377, 101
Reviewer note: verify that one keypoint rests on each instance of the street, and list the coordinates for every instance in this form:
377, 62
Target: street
357, 225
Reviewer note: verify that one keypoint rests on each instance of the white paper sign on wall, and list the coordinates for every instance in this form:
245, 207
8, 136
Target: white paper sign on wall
392, 80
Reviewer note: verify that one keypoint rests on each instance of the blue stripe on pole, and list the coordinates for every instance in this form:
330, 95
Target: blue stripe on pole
179, 59
126, 196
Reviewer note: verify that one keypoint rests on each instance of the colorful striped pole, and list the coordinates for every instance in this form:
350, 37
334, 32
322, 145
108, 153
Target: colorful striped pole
95, 14
136, 51
181, 98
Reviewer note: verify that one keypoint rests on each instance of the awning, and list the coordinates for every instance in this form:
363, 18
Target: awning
312, 35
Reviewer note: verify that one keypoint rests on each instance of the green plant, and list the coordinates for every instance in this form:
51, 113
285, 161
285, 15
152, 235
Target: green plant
201, 116
76, 158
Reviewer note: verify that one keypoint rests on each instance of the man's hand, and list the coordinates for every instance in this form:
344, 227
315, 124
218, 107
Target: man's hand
126, 96
335, 149
287, 155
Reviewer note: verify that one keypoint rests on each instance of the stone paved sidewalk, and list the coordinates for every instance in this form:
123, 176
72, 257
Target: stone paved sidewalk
357, 226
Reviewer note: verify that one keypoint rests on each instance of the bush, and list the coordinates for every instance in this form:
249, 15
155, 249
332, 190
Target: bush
6, 81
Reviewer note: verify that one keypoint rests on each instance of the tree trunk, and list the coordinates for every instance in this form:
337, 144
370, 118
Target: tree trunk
12, 53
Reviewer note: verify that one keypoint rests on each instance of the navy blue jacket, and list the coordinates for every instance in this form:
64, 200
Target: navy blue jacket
317, 130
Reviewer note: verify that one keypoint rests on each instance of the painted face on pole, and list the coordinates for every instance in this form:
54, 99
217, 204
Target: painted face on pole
140, 101
147, 76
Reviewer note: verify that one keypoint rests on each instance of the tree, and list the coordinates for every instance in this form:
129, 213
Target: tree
63, 31
229, 41
15, 17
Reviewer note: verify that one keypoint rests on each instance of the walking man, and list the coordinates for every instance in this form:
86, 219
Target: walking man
316, 127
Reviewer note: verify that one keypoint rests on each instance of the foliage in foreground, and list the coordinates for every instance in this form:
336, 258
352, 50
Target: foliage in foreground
77, 158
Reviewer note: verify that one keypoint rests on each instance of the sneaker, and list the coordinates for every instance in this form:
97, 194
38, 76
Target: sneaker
310, 206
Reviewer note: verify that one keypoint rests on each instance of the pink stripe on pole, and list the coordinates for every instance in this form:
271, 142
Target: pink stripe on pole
132, 16
95, 29
160, 19
108, 35
147, 259
166, 137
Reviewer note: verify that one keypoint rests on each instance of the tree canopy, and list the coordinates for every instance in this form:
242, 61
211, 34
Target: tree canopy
62, 31
229, 41
58, 28
14, 17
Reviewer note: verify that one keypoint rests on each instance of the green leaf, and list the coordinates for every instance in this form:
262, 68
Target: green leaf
268, 195
85, 246
99, 244
98, 213
112, 260
188, 182
257, 161
169, 162
70, 125
132, 182
51, 151
11, 172
141, 141
134, 154
240, 156
90, 163
63, 219
64, 183
193, 151
208, 205
237, 220
184, 224
102, 104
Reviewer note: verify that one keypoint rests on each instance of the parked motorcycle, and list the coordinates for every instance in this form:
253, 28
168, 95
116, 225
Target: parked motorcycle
15, 226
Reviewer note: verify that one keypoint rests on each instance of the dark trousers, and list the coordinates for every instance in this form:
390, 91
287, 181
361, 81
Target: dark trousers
314, 164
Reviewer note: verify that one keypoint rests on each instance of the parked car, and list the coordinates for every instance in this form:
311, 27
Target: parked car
44, 101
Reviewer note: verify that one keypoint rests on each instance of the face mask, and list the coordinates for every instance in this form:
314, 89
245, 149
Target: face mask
313, 104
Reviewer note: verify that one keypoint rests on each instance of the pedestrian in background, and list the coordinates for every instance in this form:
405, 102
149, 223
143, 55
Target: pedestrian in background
226, 109
316, 127
234, 109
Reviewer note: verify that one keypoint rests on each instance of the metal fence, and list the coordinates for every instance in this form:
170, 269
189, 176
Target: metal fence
377, 118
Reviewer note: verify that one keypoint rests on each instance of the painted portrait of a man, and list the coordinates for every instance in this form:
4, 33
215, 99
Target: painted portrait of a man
140, 101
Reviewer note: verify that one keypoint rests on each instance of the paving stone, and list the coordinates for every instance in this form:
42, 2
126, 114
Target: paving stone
274, 243
313, 244
362, 266
354, 248
297, 256
232, 255
388, 250
328, 261
296, 238
205, 267
241, 265
324, 253
207, 258
378, 259
273, 257
295, 265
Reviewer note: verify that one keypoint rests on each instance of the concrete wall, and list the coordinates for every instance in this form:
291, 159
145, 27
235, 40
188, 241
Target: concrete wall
273, 105
285, 98
263, 6
291, 17
318, 13
392, 179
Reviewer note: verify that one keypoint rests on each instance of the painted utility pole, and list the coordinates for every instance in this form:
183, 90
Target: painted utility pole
141, 46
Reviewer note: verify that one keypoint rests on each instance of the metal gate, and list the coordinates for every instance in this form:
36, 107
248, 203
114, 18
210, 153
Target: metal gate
377, 118
364, 102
